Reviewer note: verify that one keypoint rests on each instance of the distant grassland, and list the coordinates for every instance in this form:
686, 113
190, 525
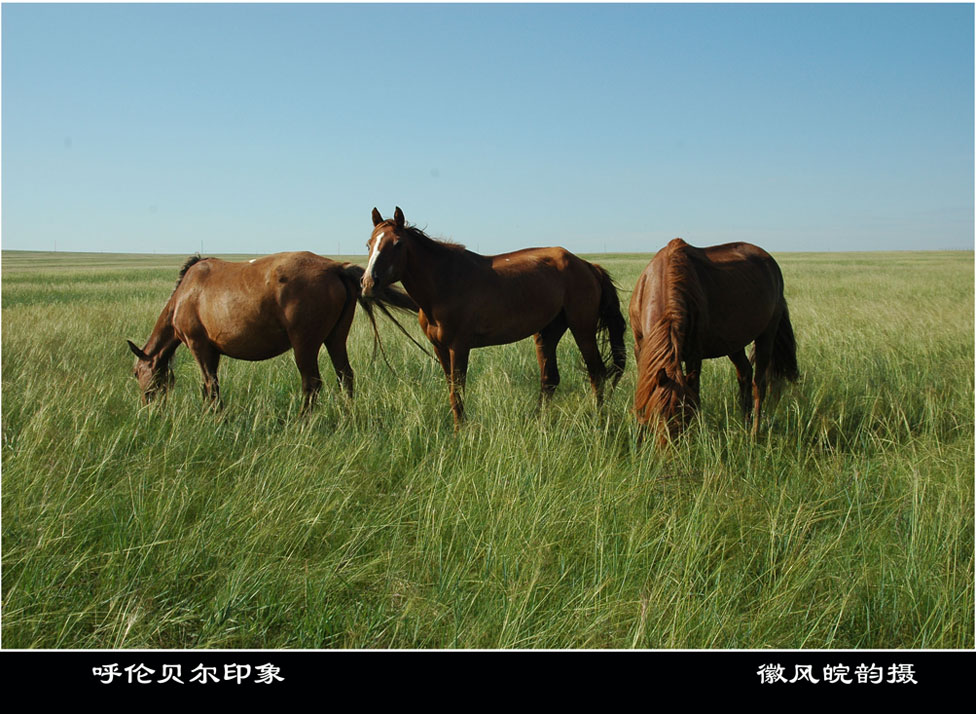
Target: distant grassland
848, 524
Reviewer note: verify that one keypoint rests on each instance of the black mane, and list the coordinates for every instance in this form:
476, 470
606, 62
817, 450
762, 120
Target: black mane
190, 262
415, 232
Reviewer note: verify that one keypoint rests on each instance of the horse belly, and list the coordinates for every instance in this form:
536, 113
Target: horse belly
512, 323
247, 333
247, 348
502, 336
731, 331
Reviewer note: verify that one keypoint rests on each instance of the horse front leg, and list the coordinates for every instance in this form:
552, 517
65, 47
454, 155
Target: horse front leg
743, 371
444, 357
208, 359
693, 377
459, 374
693, 380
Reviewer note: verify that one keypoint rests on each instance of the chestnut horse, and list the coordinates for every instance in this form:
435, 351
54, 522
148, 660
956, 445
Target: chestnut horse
258, 310
691, 304
469, 300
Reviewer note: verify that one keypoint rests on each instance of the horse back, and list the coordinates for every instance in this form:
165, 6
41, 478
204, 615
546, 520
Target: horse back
725, 295
504, 298
551, 263
530, 260
742, 291
737, 272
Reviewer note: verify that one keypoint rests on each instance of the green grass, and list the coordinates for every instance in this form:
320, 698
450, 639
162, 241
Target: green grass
847, 524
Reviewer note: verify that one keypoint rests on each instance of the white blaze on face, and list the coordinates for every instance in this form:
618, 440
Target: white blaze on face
373, 255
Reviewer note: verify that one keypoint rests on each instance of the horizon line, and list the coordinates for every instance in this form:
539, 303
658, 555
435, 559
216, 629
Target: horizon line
586, 252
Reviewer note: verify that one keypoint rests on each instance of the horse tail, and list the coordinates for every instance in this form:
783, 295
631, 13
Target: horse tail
382, 298
782, 365
611, 326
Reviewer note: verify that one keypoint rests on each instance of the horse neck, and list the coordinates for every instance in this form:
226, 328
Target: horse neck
163, 342
426, 263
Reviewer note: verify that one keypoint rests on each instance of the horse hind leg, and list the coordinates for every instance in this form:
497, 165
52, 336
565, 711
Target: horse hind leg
586, 341
763, 354
546, 342
340, 363
335, 343
307, 361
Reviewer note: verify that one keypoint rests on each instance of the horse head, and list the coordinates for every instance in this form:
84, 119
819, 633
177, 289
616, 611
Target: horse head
152, 373
667, 403
386, 254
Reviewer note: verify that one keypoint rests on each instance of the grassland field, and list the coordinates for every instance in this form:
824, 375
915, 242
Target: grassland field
847, 524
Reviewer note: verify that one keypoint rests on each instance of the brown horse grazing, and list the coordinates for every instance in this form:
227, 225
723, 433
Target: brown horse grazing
691, 304
258, 310
469, 300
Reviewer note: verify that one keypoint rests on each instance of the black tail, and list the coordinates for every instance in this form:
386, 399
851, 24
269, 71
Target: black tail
783, 365
383, 298
611, 325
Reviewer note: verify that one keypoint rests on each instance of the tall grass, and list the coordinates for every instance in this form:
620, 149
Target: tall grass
848, 523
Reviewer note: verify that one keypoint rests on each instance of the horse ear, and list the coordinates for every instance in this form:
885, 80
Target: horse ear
136, 351
377, 218
398, 219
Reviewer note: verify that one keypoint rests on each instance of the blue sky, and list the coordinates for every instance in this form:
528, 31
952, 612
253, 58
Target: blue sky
258, 128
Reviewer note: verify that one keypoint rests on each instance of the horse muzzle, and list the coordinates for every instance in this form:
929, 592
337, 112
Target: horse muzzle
368, 285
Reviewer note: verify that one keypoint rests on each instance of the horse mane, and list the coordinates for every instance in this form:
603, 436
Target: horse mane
681, 299
414, 232
189, 263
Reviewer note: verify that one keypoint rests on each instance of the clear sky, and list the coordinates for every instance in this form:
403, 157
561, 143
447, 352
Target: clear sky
259, 128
